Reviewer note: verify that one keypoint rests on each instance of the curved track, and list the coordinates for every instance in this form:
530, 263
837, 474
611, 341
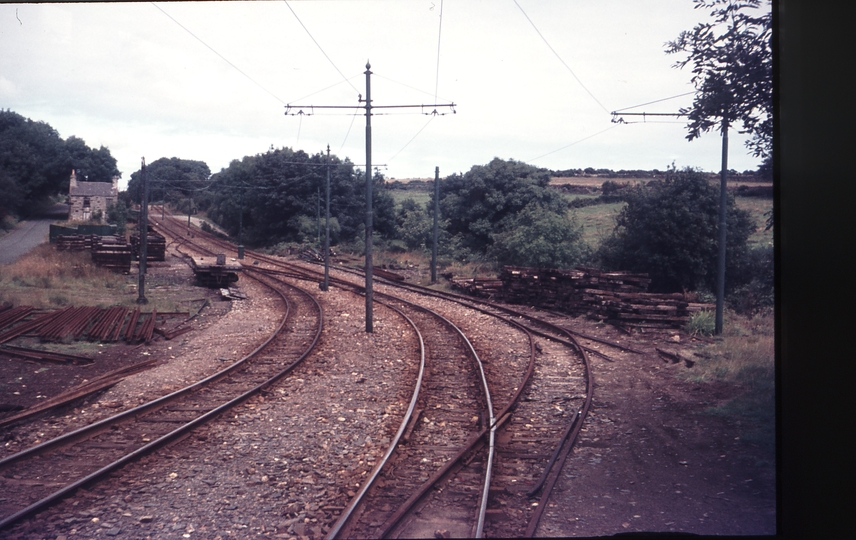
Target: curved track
40, 475
531, 444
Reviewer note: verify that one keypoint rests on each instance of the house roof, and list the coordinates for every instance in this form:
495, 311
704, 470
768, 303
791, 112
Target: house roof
92, 189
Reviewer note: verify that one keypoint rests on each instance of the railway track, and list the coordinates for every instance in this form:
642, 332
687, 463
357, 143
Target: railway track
36, 477
531, 444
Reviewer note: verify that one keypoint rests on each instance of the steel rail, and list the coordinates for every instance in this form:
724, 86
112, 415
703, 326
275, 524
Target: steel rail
569, 437
96, 427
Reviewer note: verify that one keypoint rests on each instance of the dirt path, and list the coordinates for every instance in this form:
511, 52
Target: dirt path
29, 234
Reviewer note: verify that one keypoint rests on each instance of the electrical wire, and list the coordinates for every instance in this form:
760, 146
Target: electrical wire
353, 117
655, 101
411, 139
439, 35
323, 89
559, 57
407, 86
218, 54
319, 46
573, 143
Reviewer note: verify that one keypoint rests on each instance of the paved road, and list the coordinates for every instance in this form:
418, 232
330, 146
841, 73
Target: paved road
29, 234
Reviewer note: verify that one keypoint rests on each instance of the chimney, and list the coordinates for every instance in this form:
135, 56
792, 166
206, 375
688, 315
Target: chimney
72, 183
115, 185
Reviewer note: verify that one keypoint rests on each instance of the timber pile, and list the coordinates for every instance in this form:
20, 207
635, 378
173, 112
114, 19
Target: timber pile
155, 246
112, 252
616, 297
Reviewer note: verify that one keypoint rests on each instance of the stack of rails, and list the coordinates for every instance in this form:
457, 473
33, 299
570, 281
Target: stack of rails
112, 252
73, 323
10, 315
155, 246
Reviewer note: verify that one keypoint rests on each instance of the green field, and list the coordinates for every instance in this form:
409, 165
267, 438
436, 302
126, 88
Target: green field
599, 220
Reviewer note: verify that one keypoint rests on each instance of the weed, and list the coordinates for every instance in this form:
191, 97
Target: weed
701, 323
743, 357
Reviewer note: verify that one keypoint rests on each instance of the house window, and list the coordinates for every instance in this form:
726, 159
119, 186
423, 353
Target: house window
86, 203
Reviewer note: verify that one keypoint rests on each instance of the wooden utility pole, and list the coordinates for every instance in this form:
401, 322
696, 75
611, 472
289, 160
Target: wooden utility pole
369, 269
144, 237
436, 224
326, 284
723, 200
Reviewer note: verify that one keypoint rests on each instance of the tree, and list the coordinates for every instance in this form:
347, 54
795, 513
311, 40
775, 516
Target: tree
272, 195
732, 73
540, 238
732, 66
668, 230
487, 198
170, 178
36, 163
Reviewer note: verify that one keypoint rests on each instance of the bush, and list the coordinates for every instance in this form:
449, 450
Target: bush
540, 238
757, 296
669, 229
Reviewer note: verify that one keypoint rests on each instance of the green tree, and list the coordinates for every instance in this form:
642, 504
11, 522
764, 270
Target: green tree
278, 192
732, 73
669, 229
732, 65
172, 179
36, 163
486, 200
540, 238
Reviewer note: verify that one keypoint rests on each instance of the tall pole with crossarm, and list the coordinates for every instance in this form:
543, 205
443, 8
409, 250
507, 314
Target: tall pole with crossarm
369, 220
368, 106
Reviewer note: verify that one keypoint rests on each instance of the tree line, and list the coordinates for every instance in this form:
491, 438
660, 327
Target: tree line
36, 164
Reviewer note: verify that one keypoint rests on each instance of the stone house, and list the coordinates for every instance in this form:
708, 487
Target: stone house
84, 198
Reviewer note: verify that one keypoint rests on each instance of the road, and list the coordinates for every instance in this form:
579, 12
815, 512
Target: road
29, 234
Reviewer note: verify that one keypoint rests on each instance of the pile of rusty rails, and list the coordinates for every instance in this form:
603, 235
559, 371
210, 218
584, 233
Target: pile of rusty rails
215, 271
155, 247
620, 298
74, 323
112, 252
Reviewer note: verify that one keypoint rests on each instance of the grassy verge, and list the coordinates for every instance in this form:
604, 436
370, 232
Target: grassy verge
49, 279
743, 356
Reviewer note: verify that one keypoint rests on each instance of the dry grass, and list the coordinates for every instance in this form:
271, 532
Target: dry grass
743, 356
48, 279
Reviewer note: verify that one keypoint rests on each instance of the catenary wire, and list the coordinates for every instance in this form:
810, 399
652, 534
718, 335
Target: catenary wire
218, 54
573, 143
319, 47
412, 138
655, 101
559, 57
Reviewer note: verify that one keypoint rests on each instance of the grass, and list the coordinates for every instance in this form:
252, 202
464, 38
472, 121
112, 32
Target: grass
48, 279
743, 357
757, 207
597, 221
421, 197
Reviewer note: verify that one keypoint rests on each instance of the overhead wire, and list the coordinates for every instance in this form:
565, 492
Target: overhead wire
218, 54
436, 85
655, 101
319, 46
572, 144
560, 58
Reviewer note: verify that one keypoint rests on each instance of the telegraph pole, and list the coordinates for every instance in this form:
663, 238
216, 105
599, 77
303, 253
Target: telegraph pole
723, 199
144, 229
369, 225
326, 284
436, 224
369, 221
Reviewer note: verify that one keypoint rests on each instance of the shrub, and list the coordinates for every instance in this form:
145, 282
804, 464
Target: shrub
669, 229
540, 238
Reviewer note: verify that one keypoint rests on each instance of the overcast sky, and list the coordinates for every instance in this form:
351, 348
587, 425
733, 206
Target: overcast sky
210, 81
